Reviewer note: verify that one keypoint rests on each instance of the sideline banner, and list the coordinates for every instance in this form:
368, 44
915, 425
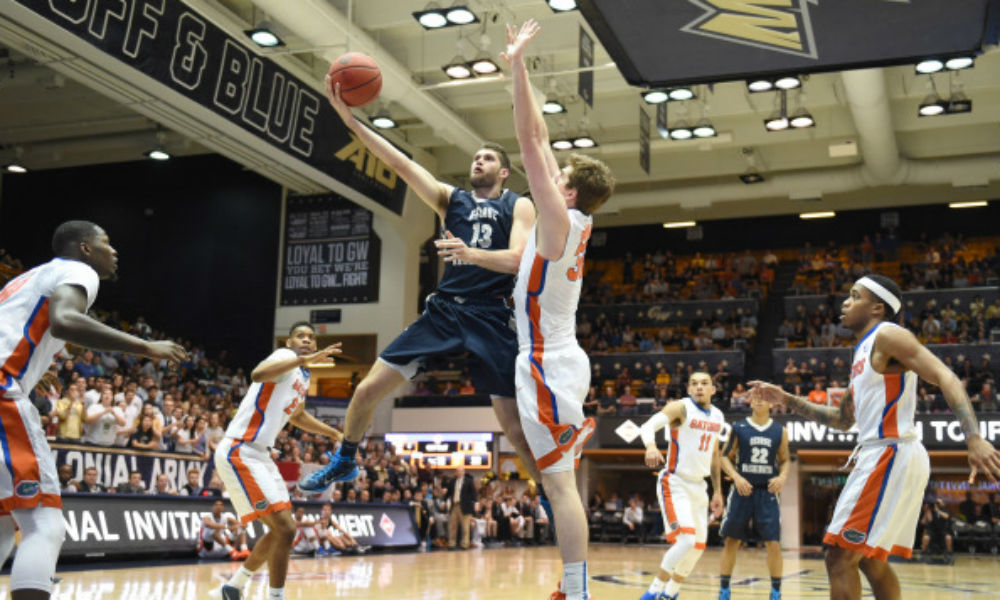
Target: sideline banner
114, 464
937, 431
104, 524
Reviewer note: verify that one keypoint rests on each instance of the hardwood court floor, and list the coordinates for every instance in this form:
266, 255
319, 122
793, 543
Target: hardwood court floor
617, 573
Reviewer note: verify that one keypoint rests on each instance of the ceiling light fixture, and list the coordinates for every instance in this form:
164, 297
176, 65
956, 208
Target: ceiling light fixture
801, 119
681, 132
788, 82
679, 224
777, 122
483, 64
15, 167
757, 86
561, 5
818, 215
958, 104
458, 68
264, 37
157, 154
958, 63
931, 106
704, 130
681, 93
751, 177
562, 144
383, 120
553, 106
655, 97
931, 65
968, 204
459, 14
584, 140
435, 17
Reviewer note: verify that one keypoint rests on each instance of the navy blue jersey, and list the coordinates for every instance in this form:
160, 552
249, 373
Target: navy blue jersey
480, 224
758, 450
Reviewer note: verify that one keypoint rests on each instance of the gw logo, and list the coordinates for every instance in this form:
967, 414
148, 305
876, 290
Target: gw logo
778, 25
367, 162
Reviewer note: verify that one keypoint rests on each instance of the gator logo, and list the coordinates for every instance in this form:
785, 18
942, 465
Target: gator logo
565, 436
261, 505
27, 489
777, 25
854, 536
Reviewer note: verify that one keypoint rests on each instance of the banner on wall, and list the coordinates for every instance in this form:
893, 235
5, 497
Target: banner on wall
177, 47
99, 524
331, 253
114, 464
936, 431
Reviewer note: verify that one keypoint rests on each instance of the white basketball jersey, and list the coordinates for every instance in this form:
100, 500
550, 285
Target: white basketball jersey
547, 292
693, 442
269, 404
26, 344
884, 404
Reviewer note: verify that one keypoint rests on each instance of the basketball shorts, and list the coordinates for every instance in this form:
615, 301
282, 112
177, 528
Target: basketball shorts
448, 326
28, 475
684, 507
761, 505
255, 486
878, 509
551, 387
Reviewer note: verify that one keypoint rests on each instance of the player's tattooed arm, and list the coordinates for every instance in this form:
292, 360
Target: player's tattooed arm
841, 417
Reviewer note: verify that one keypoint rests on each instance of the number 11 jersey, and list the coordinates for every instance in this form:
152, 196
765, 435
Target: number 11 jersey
693, 442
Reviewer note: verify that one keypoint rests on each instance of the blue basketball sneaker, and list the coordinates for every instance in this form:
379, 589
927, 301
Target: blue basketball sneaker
648, 595
340, 468
724, 593
775, 594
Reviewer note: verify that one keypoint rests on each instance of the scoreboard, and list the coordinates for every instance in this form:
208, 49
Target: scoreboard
444, 450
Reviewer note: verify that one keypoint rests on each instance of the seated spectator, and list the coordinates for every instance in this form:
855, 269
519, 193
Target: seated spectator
936, 523
162, 486
592, 402
449, 389
134, 485
632, 517
627, 402
512, 517
193, 483
90, 485
608, 402
66, 483
818, 394
467, 388
103, 421
541, 520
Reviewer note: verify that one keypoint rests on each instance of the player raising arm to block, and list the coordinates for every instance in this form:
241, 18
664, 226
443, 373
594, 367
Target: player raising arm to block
877, 511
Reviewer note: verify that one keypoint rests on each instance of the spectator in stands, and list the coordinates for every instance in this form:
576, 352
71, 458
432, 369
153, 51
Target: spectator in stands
608, 402
614, 503
200, 439
70, 411
162, 486
627, 402
738, 401
660, 398
512, 518
66, 483
541, 520
103, 421
632, 517
437, 508
449, 389
818, 394
90, 485
134, 485
144, 437
467, 388
193, 484
937, 527
185, 437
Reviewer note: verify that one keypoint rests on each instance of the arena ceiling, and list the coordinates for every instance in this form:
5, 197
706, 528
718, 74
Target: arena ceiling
52, 118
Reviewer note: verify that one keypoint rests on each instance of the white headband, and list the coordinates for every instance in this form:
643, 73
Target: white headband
880, 291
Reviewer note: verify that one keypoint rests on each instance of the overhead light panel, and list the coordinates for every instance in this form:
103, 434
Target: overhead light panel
561, 5
958, 104
483, 64
435, 17
681, 132
562, 144
958, 63
752, 177
931, 65
818, 215
932, 106
679, 224
704, 130
157, 154
655, 96
935, 65
777, 122
680, 93
757, 86
801, 119
458, 68
264, 37
553, 106
787, 82
584, 141
968, 204
15, 167
383, 120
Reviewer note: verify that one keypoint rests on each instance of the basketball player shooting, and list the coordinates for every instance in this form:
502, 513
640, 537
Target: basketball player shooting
40, 311
552, 371
877, 511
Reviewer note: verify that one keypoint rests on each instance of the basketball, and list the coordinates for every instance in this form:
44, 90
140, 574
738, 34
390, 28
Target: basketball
359, 77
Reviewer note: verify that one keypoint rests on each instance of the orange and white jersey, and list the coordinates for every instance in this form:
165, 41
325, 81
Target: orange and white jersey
26, 344
268, 405
547, 292
693, 442
884, 404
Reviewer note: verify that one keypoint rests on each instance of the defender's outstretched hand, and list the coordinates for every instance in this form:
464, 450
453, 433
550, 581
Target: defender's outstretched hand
517, 40
767, 391
323, 355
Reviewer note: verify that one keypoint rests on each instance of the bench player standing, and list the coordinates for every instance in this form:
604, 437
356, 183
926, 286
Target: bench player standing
759, 447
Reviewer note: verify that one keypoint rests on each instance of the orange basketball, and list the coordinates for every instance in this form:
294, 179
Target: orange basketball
359, 77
